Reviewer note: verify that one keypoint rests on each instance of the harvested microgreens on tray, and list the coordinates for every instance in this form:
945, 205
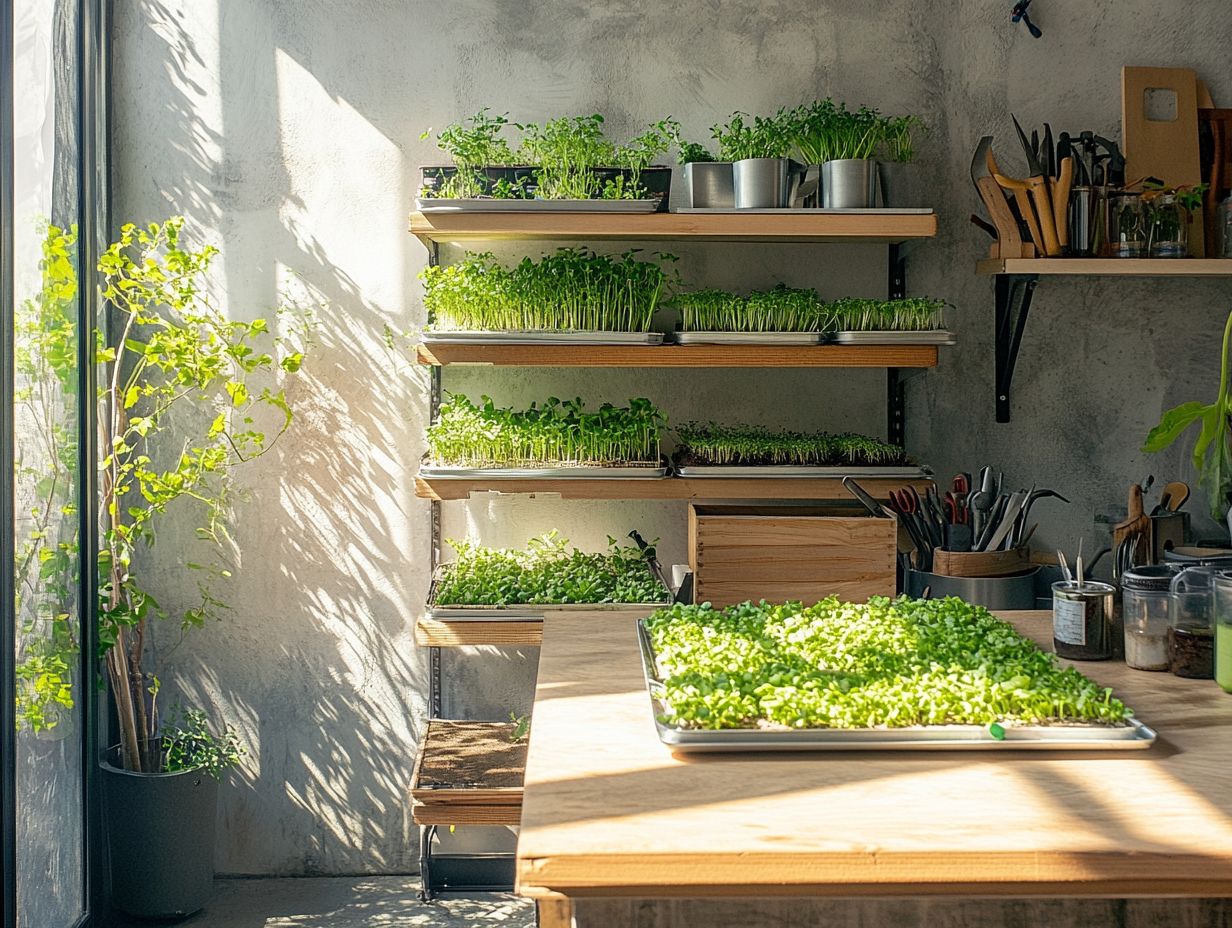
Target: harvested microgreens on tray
710, 444
547, 572
910, 315
554, 434
778, 310
571, 290
887, 664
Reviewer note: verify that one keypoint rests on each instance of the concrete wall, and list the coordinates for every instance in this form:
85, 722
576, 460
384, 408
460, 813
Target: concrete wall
289, 133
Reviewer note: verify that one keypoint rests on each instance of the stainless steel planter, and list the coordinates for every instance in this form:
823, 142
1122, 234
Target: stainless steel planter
849, 184
898, 187
765, 183
708, 185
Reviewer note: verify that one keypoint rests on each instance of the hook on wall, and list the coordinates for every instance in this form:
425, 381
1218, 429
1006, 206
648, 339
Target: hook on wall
1020, 14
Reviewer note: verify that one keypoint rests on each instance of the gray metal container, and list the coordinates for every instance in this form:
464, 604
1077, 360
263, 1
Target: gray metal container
708, 185
762, 183
898, 188
849, 184
995, 593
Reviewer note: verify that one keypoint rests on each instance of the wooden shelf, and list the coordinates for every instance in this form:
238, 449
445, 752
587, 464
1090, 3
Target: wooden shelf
667, 488
876, 356
468, 773
1109, 267
442, 633
731, 227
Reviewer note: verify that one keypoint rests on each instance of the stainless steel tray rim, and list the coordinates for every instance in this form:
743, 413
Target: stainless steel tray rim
783, 471
541, 337
810, 211
489, 205
747, 338
915, 337
434, 472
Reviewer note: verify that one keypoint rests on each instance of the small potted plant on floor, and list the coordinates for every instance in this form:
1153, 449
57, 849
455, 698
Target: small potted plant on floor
179, 355
763, 177
895, 169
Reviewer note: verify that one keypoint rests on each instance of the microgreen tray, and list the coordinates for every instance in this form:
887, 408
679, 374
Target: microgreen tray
523, 611
927, 337
771, 471
487, 205
437, 472
1133, 735
747, 338
543, 338
806, 210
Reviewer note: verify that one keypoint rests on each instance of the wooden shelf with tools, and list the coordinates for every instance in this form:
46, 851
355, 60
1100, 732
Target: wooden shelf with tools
873, 226
663, 488
849, 356
1108, 267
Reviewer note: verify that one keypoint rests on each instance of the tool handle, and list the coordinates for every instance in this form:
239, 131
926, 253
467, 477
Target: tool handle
1008, 240
1043, 209
1023, 200
1060, 201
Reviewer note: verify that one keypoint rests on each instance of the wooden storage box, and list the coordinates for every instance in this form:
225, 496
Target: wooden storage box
740, 553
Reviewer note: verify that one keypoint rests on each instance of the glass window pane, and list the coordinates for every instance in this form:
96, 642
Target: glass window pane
48, 763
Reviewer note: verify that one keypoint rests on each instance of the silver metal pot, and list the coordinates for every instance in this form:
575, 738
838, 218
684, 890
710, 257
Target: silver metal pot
708, 185
765, 183
993, 593
849, 184
898, 189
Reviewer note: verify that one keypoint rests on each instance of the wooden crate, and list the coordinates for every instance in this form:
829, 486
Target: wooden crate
740, 553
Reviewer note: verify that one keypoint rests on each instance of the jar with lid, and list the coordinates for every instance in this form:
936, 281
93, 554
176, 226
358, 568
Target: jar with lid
1127, 226
1191, 631
1145, 606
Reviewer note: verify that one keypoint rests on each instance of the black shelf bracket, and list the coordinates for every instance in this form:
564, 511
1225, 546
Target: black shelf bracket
896, 394
1013, 299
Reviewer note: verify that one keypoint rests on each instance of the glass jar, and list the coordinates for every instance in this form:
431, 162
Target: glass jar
1191, 632
1169, 232
1082, 619
1223, 630
1127, 226
1145, 606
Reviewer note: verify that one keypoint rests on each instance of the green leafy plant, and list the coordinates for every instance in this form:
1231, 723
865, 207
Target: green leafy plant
555, 434
900, 137
711, 444
189, 743
473, 144
778, 310
547, 572
1212, 456
178, 355
909, 315
47, 553
886, 664
521, 727
691, 152
744, 136
571, 290
828, 131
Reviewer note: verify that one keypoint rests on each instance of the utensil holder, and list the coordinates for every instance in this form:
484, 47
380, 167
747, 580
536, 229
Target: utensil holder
981, 563
995, 593
850, 183
1083, 619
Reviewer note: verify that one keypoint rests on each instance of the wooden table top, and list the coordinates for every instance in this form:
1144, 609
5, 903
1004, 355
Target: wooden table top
609, 810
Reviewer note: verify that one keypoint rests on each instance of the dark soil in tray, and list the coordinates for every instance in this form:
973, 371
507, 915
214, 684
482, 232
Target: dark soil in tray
471, 755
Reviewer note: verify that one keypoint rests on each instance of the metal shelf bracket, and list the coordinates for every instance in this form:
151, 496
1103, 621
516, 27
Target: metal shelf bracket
1013, 303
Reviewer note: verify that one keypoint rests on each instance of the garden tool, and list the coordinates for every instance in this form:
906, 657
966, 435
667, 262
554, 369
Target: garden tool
1005, 225
1038, 183
1173, 497
1060, 201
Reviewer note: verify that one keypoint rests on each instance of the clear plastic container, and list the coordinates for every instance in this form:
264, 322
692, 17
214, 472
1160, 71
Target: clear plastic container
1191, 635
1145, 601
1223, 630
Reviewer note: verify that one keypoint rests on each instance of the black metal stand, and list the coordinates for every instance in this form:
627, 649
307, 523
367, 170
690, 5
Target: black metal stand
1013, 301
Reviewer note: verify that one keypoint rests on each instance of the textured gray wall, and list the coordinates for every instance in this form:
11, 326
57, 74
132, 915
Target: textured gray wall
289, 132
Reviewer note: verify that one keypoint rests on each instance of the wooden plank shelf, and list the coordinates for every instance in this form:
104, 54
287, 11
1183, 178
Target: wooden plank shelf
442, 633
847, 356
666, 488
1109, 267
468, 773
731, 227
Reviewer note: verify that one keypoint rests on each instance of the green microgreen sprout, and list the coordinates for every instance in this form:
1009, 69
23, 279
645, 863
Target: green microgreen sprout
779, 310
473, 144
909, 315
710, 444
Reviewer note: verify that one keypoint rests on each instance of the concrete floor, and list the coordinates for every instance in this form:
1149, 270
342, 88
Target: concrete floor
349, 902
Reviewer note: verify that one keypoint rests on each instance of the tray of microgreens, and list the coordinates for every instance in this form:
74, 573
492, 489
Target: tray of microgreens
566, 164
708, 449
486, 583
557, 438
572, 296
782, 316
915, 321
887, 675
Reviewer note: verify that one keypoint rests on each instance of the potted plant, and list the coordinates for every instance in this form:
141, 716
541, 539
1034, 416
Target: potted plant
1212, 452
483, 162
178, 355
707, 180
895, 168
763, 177
843, 143
1169, 211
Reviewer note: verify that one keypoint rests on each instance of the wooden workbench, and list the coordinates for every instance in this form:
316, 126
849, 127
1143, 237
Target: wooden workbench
611, 816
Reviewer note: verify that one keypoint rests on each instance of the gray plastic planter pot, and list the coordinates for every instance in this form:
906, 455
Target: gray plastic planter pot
160, 839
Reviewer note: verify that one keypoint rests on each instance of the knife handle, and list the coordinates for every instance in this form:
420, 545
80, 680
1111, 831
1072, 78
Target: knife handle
1043, 210
1060, 201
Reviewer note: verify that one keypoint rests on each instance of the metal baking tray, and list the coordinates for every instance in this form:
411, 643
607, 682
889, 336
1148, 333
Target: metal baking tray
488, 205
931, 337
524, 337
524, 611
747, 338
805, 210
908, 472
1133, 736
436, 472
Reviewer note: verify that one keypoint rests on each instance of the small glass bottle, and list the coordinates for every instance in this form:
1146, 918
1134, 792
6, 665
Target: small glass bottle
1169, 221
1127, 227
1191, 633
